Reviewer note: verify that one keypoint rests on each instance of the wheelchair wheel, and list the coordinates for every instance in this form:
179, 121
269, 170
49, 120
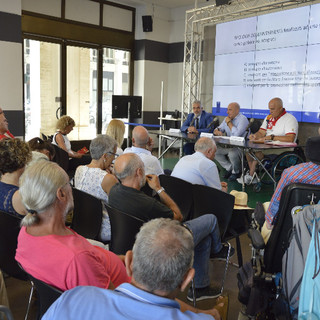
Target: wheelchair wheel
267, 162
284, 161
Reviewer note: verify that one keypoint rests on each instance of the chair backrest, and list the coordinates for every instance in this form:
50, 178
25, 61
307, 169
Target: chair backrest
181, 192
47, 295
61, 158
296, 194
214, 201
9, 231
87, 214
124, 228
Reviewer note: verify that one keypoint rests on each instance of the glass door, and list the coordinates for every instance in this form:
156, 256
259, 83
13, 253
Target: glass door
116, 65
42, 97
82, 64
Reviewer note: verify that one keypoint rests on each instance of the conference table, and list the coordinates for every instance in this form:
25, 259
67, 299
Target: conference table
244, 146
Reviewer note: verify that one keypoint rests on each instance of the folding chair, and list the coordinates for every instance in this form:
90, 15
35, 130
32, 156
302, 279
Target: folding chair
87, 214
181, 192
214, 201
124, 228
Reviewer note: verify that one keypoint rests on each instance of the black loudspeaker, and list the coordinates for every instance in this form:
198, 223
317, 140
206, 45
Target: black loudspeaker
222, 2
147, 23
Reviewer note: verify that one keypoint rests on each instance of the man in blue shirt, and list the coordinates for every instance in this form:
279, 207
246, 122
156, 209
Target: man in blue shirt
235, 124
198, 168
160, 265
198, 121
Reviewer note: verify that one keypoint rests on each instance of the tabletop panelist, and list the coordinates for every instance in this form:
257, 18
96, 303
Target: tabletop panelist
279, 126
235, 124
198, 121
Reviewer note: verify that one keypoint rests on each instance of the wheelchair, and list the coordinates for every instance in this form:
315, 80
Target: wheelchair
273, 165
265, 299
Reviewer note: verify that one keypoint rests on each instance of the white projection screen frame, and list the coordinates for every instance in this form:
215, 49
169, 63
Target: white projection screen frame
267, 56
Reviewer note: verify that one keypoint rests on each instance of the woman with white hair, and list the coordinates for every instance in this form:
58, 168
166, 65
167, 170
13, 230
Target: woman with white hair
52, 252
95, 179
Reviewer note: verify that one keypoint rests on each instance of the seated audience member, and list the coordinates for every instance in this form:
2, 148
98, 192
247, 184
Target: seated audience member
127, 197
198, 121
95, 179
4, 131
116, 130
308, 172
142, 146
41, 150
235, 124
64, 126
278, 126
199, 168
14, 155
160, 265
49, 250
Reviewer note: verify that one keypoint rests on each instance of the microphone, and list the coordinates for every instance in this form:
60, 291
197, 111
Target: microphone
212, 122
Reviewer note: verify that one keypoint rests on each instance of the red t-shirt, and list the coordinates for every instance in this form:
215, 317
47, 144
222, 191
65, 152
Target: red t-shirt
69, 261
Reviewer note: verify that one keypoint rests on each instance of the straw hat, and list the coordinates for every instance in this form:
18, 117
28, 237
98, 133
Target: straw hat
241, 200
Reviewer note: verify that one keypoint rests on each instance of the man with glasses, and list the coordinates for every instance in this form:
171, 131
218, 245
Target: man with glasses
142, 146
4, 131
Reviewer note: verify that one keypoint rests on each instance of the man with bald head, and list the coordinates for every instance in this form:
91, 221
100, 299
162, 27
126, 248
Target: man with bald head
199, 168
127, 197
235, 124
4, 131
278, 126
142, 146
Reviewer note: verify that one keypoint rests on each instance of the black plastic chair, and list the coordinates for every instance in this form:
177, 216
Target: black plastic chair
61, 158
47, 295
210, 200
87, 214
297, 194
9, 231
124, 228
181, 192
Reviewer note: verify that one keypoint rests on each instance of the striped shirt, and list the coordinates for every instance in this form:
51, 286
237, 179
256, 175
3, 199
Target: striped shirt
307, 172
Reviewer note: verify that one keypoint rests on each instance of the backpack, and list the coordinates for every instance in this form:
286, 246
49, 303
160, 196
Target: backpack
309, 304
293, 261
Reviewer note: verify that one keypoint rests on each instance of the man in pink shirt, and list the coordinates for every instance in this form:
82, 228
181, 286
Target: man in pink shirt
50, 251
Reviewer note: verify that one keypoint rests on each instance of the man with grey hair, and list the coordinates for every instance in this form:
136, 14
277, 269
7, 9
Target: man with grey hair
198, 121
235, 124
142, 146
52, 252
127, 197
160, 265
199, 168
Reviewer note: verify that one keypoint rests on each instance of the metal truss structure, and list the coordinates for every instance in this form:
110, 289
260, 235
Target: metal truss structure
198, 18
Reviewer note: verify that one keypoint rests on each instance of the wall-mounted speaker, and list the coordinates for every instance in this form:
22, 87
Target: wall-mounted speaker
147, 23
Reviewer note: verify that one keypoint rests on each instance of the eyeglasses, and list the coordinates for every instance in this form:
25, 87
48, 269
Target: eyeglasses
113, 154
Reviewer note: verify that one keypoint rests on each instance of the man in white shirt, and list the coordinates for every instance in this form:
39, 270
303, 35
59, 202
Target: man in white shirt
142, 146
199, 168
278, 126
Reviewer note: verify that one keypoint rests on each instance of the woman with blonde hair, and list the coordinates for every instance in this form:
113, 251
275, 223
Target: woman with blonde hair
64, 126
116, 130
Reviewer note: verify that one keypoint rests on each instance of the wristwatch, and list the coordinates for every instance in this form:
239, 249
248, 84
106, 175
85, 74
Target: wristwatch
160, 190
272, 136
